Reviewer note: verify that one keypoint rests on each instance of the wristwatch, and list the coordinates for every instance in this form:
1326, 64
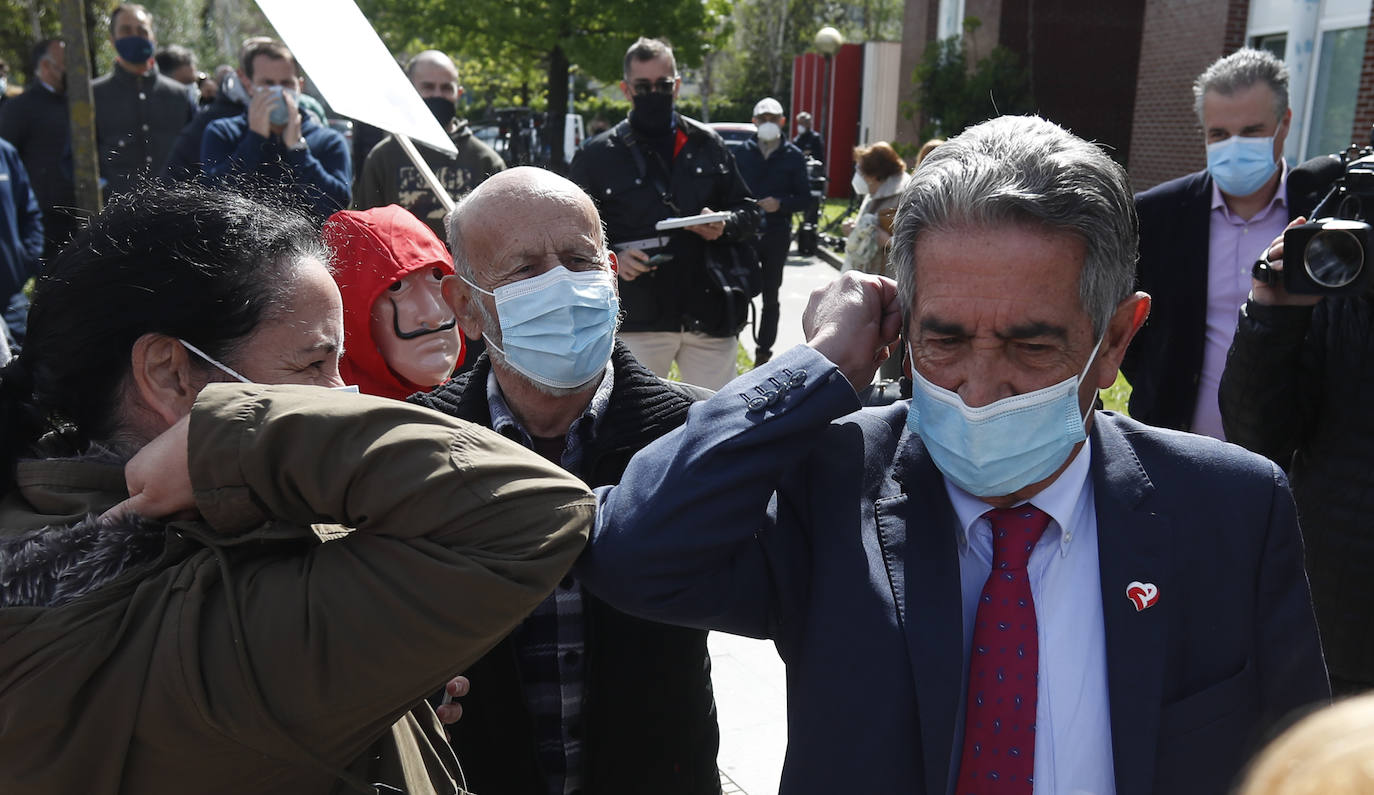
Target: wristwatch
300, 145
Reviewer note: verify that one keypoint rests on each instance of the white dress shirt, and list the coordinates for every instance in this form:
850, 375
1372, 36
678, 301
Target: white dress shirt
1073, 739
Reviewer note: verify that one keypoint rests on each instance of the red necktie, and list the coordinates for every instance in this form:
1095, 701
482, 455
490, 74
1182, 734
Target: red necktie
999, 726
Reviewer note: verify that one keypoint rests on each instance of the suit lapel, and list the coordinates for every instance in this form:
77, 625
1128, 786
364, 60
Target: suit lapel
916, 528
1133, 545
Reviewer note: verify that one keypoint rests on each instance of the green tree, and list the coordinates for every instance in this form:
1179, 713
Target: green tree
552, 34
769, 34
951, 94
26, 22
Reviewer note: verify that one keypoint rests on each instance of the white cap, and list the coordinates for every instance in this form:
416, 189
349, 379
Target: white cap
768, 106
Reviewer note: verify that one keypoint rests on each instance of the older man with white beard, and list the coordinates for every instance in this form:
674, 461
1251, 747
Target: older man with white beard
580, 696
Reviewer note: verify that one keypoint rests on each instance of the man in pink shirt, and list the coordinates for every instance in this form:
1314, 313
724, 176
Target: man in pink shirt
1200, 235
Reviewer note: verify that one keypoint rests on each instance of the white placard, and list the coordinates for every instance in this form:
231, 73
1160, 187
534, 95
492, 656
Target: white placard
352, 68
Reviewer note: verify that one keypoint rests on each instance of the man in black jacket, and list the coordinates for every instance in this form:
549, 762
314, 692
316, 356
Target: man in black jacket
138, 111
580, 696
775, 171
1297, 388
655, 165
230, 100
36, 123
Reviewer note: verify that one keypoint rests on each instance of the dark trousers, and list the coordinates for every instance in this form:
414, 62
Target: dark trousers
772, 247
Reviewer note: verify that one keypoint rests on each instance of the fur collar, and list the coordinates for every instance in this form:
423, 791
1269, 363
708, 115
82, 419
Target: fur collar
51, 566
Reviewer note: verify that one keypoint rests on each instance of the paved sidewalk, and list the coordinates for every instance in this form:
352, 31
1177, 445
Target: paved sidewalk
749, 678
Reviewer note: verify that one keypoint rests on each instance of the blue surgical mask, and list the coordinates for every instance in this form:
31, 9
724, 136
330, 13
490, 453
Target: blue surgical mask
1000, 448
1241, 165
559, 327
134, 49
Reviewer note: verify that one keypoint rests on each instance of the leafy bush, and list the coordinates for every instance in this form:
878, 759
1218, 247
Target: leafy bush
952, 96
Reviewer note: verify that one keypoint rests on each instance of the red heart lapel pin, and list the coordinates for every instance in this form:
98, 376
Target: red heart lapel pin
1142, 594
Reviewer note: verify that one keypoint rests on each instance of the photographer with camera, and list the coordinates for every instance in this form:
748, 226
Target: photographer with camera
1296, 388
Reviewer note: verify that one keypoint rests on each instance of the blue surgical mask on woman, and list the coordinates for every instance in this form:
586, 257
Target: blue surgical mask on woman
1241, 165
557, 328
1000, 448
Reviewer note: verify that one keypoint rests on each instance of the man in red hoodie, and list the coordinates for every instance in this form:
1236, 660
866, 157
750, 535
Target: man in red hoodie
399, 335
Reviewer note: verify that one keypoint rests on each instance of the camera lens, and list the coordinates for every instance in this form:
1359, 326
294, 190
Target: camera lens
1333, 258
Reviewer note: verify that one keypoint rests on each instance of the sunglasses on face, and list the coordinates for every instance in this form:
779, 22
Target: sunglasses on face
644, 88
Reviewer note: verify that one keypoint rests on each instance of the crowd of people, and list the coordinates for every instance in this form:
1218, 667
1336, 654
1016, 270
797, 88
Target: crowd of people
222, 569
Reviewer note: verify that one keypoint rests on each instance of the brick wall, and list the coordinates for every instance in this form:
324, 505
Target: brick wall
1364, 98
1180, 38
1237, 16
1082, 57
919, 21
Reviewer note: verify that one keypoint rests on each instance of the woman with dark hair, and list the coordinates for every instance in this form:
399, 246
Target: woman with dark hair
210, 634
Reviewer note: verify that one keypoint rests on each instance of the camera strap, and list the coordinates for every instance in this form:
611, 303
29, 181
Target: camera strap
627, 136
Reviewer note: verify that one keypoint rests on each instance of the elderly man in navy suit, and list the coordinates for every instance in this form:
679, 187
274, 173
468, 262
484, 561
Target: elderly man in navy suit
994, 587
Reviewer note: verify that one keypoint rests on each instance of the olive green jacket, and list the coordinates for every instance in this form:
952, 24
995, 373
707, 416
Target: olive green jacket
243, 654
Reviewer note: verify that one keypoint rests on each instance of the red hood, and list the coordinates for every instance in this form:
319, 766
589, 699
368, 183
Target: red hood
374, 249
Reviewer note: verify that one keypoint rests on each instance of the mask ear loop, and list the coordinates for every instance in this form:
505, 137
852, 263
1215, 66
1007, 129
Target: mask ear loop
202, 354
1091, 358
484, 292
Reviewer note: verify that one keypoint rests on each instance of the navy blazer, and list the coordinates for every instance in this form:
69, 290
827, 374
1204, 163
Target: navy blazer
1164, 362
828, 529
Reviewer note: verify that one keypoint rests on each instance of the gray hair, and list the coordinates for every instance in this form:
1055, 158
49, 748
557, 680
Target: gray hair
461, 264
1026, 170
1240, 70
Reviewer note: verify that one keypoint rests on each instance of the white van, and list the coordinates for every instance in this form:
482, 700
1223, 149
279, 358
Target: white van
573, 135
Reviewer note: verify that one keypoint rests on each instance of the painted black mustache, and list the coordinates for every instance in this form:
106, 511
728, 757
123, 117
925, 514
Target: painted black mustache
419, 332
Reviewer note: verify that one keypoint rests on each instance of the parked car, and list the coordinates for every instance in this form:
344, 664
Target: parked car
735, 133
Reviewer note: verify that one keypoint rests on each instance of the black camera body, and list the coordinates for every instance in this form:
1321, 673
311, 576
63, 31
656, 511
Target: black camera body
1334, 254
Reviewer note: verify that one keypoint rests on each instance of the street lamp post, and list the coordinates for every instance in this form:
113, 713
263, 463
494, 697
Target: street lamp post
828, 42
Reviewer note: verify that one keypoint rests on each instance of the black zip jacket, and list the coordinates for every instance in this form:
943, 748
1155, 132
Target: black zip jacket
675, 297
649, 714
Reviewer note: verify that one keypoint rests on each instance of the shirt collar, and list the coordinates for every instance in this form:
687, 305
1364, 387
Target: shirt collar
1059, 499
1280, 197
503, 420
124, 75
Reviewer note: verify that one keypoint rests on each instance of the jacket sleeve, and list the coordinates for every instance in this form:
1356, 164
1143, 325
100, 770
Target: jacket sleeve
735, 197
692, 534
370, 182
798, 185
28, 214
184, 160
1269, 387
222, 155
458, 534
14, 125
1291, 671
324, 164
581, 172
